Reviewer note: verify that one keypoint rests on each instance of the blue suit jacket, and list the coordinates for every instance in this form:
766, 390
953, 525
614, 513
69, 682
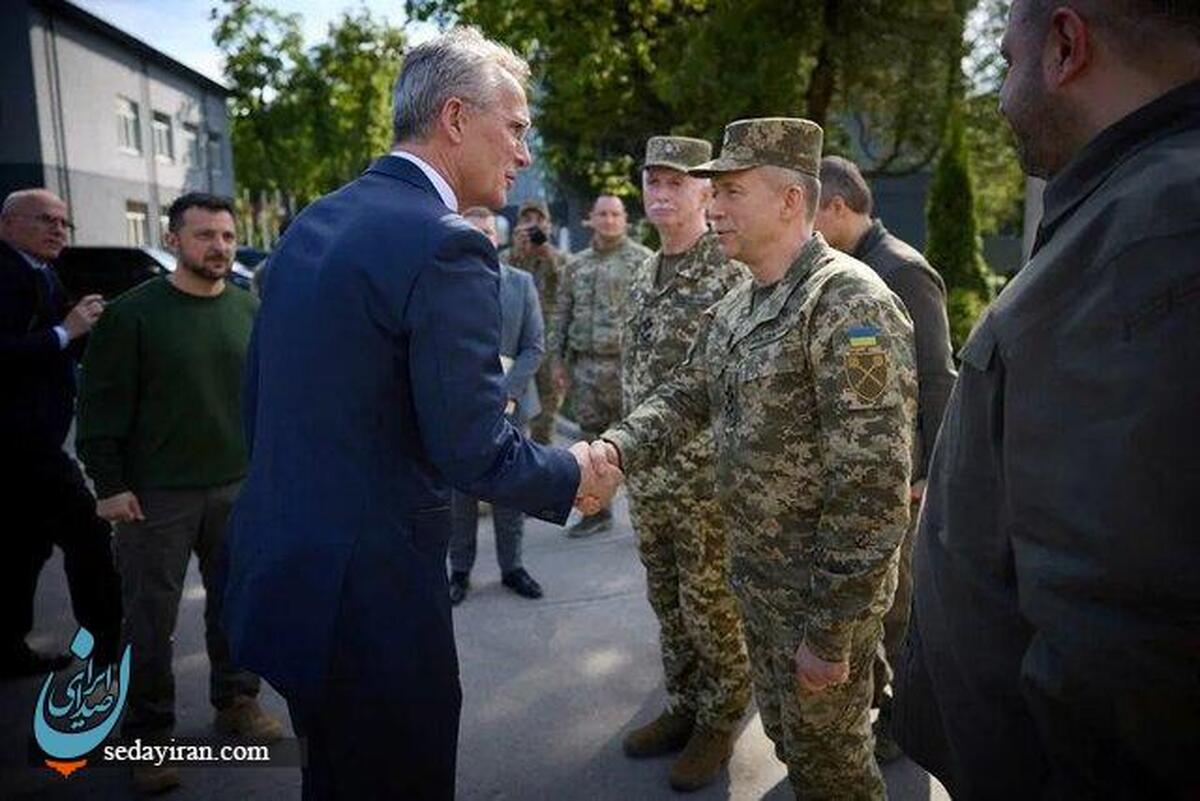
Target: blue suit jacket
373, 384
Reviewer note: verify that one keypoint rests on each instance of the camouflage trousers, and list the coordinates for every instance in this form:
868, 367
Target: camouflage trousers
595, 392
682, 543
824, 738
541, 428
895, 622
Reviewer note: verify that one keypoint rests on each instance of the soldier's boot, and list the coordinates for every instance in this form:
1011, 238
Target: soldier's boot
666, 734
245, 718
592, 524
702, 760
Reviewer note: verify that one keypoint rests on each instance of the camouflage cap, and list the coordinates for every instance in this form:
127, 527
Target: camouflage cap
677, 152
535, 205
788, 142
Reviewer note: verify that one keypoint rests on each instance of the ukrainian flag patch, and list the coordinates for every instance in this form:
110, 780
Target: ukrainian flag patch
864, 336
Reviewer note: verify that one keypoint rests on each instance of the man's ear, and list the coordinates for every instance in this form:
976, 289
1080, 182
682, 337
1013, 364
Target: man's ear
1068, 50
793, 202
452, 120
171, 240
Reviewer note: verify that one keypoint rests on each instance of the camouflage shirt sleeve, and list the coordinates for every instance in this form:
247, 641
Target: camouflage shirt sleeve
563, 305
671, 417
861, 351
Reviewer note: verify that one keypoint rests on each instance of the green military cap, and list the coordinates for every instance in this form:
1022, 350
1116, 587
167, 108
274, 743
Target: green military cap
535, 205
677, 152
767, 141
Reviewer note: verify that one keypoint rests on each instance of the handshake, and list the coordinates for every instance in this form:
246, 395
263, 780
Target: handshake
599, 475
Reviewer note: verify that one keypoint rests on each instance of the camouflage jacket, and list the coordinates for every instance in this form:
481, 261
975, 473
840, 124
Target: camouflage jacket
591, 300
660, 328
811, 394
546, 271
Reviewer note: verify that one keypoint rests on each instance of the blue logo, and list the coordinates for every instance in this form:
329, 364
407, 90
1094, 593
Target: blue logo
70, 724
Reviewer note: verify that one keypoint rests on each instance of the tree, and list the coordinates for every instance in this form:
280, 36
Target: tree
610, 73
954, 247
306, 120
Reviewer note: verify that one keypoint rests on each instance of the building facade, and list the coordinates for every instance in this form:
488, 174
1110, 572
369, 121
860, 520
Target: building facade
113, 126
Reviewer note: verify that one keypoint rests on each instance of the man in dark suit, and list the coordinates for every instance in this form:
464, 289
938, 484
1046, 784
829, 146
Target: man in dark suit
43, 493
373, 385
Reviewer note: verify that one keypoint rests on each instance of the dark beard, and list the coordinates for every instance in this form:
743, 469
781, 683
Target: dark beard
206, 271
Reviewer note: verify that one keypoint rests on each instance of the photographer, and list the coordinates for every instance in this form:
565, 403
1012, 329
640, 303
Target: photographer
533, 252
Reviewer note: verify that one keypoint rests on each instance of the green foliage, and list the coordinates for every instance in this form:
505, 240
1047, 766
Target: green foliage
306, 121
954, 248
610, 73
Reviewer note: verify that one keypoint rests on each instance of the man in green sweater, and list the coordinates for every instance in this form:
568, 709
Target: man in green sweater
160, 434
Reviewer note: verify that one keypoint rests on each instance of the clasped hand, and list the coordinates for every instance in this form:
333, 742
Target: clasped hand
599, 475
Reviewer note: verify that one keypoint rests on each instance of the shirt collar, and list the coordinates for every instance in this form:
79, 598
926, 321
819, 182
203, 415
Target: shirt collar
869, 239
34, 263
1178, 108
439, 183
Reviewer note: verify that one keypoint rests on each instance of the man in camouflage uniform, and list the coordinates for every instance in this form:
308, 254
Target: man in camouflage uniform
807, 376
586, 336
680, 529
535, 254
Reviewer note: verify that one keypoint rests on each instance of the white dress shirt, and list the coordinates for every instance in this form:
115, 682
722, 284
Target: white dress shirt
439, 183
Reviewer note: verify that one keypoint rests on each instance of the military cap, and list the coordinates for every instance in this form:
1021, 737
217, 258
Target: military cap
788, 142
677, 152
534, 204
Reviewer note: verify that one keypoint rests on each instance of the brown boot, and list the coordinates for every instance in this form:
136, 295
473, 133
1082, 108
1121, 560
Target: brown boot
701, 761
155, 779
667, 733
245, 718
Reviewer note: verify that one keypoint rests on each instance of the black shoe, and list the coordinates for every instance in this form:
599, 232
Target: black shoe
593, 524
522, 583
24, 662
459, 584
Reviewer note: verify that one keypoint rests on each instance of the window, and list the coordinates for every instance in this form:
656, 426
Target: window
191, 145
136, 233
214, 151
129, 126
164, 225
164, 139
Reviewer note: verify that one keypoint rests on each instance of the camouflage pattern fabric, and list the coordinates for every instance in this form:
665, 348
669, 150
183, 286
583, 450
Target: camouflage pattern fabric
684, 549
595, 392
677, 152
811, 396
794, 144
591, 300
680, 528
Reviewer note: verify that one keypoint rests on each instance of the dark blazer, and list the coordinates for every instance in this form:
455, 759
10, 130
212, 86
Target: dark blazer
373, 385
39, 375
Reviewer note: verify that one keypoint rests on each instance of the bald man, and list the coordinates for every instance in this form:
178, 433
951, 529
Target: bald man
42, 492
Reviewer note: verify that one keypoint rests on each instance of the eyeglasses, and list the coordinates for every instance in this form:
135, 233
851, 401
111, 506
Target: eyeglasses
50, 221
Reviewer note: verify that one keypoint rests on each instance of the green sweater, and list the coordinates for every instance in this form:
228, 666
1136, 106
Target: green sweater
160, 396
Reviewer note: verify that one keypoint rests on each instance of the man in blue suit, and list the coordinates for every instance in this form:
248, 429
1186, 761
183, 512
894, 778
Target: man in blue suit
373, 385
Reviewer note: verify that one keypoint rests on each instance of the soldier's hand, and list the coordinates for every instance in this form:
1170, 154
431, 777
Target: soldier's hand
120, 508
85, 314
598, 480
562, 382
815, 674
917, 491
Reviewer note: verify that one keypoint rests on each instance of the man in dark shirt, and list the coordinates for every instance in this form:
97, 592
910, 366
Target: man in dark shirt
845, 221
41, 488
1054, 649
160, 433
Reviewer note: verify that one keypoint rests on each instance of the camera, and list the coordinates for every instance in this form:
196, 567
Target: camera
537, 237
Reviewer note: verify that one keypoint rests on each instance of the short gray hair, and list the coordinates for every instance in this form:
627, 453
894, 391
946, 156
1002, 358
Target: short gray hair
783, 177
459, 63
841, 178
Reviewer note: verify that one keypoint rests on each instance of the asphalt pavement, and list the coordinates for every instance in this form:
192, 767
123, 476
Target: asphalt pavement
549, 688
